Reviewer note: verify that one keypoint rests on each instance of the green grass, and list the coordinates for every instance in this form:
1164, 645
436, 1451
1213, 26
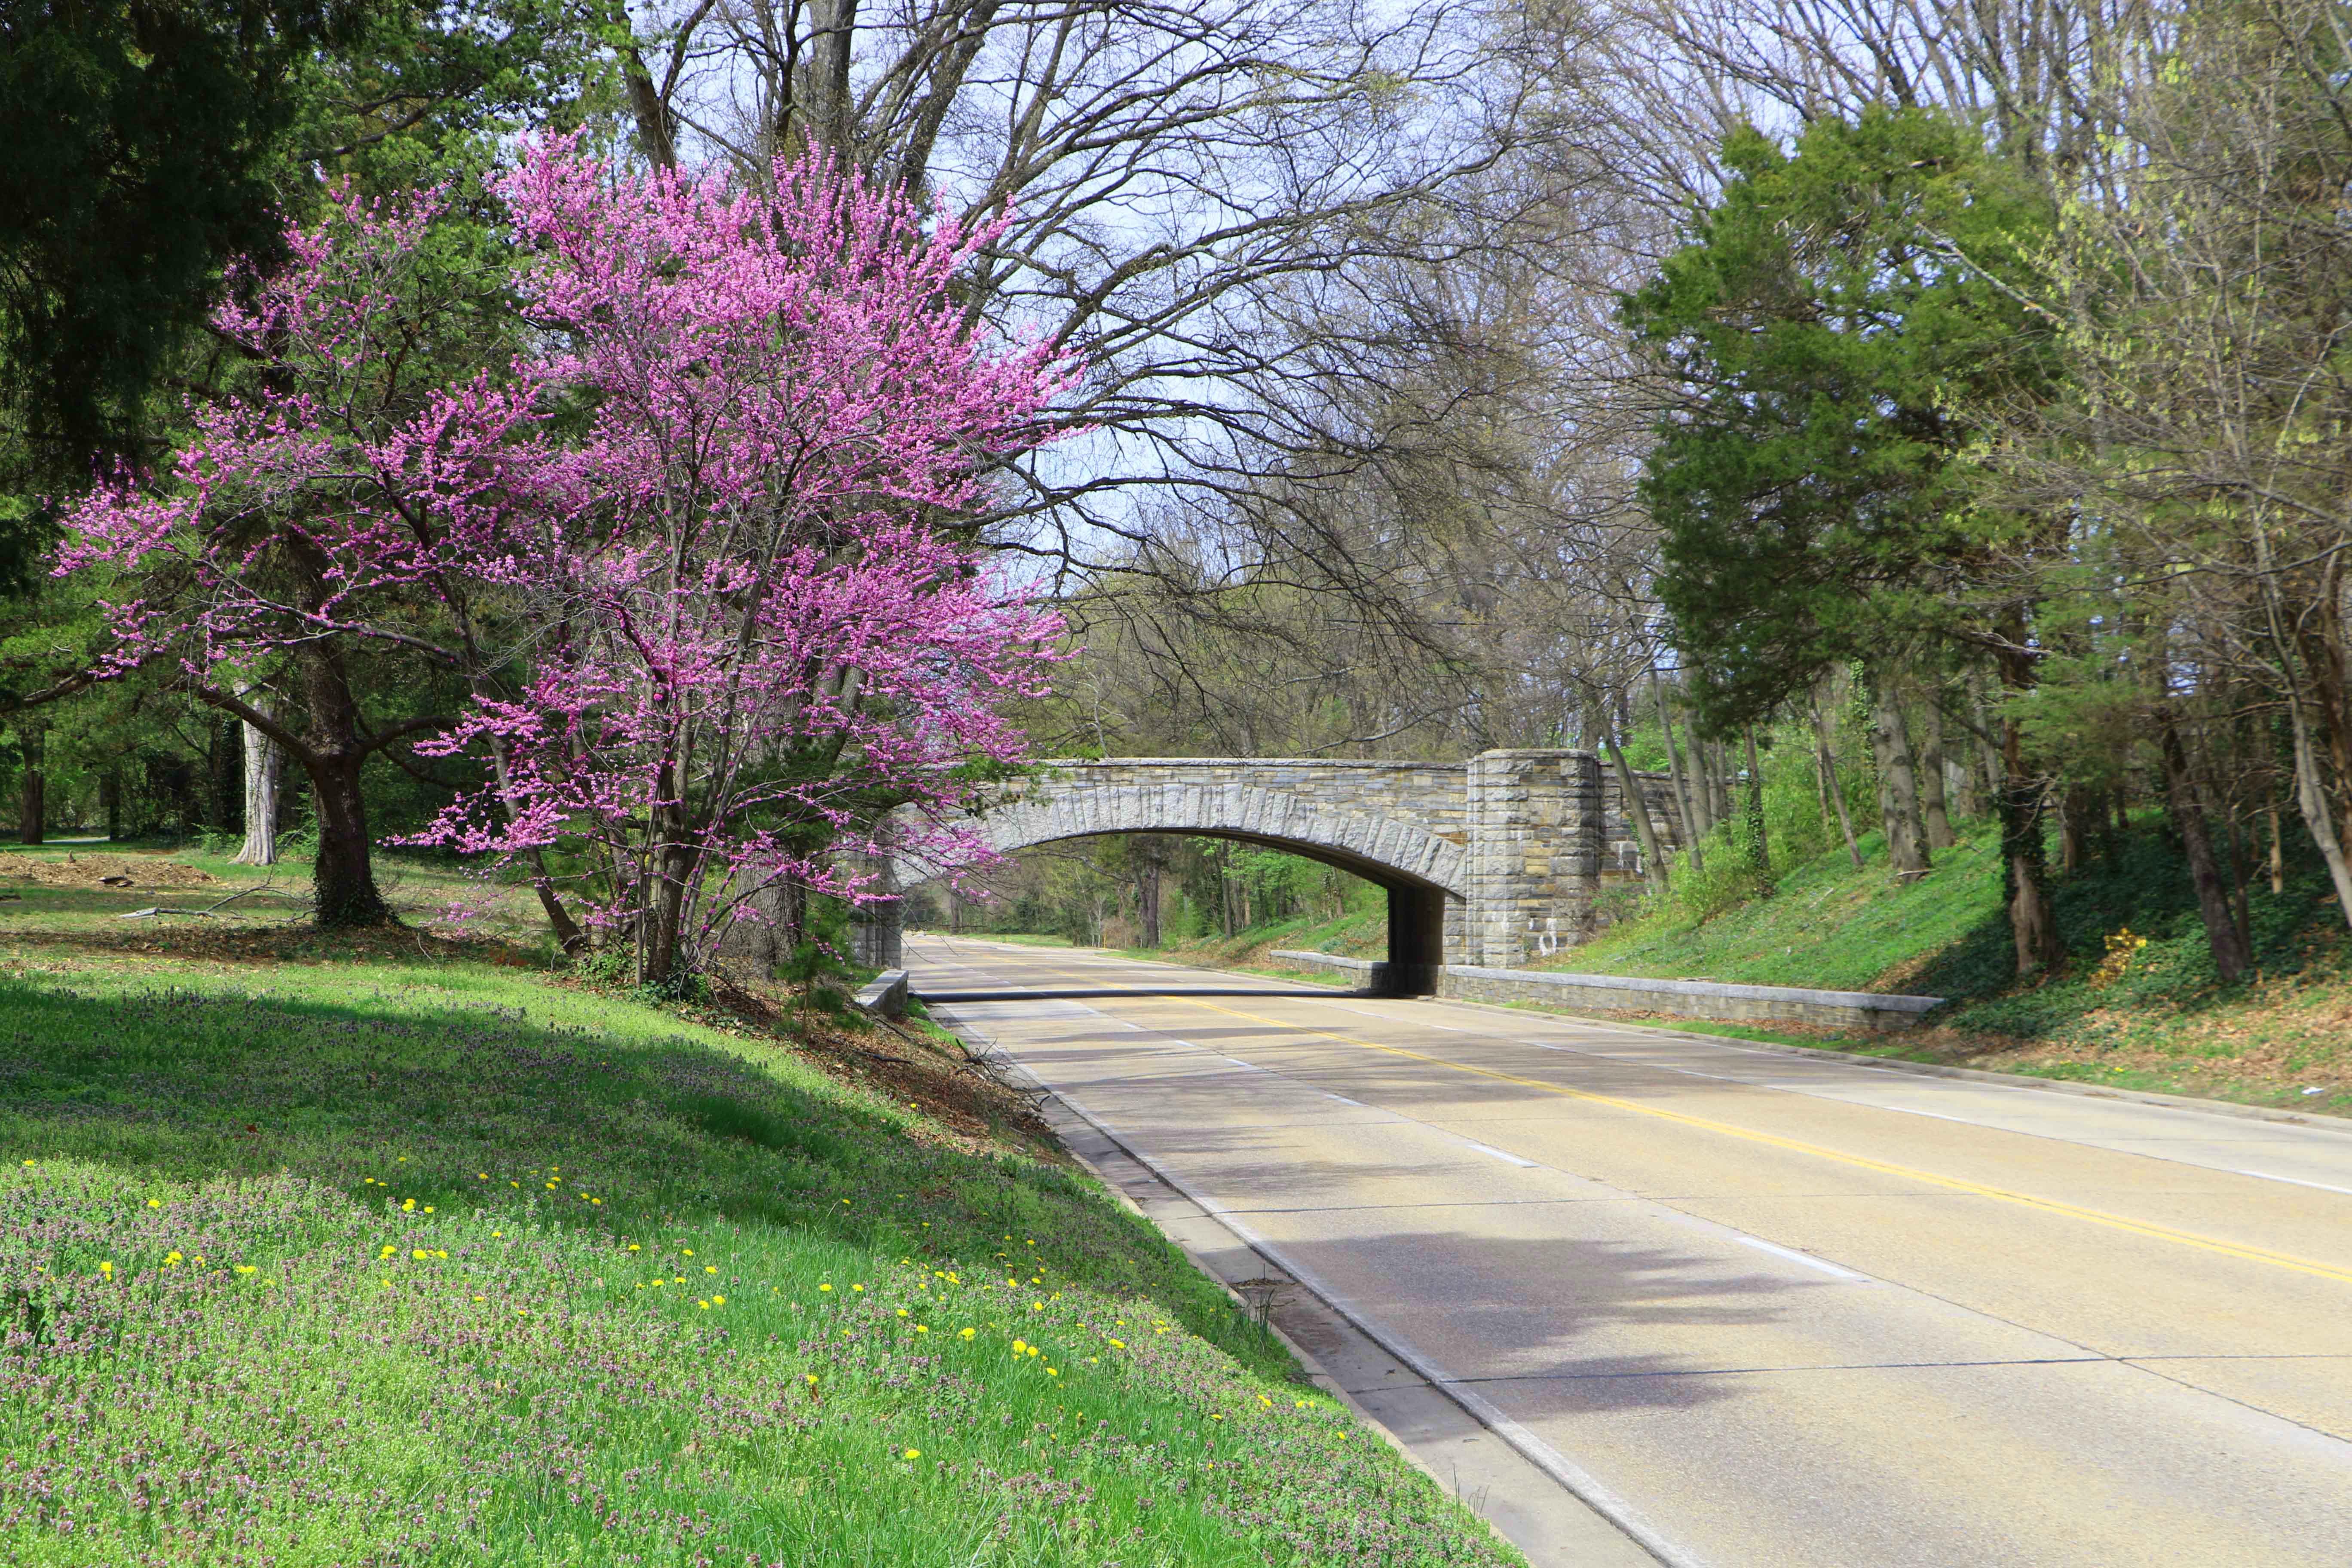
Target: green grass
439, 1263
1826, 926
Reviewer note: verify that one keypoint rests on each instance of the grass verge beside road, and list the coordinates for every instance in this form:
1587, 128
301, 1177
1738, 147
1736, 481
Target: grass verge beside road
401, 1252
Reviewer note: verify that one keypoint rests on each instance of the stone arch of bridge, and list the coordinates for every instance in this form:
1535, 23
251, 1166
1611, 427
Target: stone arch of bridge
1425, 876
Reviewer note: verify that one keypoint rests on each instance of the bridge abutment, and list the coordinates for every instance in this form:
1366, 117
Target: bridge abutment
1535, 840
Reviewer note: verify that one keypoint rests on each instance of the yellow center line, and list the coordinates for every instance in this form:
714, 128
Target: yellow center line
1862, 1162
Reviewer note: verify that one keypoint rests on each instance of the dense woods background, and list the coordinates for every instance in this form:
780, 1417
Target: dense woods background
1916, 413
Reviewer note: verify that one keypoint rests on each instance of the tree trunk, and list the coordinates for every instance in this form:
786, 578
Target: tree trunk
1144, 854
1935, 814
2318, 811
33, 800
109, 803
662, 947
343, 875
1638, 810
2231, 956
265, 766
1702, 786
1898, 786
1760, 851
2025, 867
1831, 782
1675, 771
1989, 753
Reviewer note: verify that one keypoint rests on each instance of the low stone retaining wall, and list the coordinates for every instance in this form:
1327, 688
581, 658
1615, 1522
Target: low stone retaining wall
1626, 994
886, 993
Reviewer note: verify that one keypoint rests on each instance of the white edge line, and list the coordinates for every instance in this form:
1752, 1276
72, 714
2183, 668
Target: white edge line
1580, 1482
2293, 1181
1807, 1258
1507, 1159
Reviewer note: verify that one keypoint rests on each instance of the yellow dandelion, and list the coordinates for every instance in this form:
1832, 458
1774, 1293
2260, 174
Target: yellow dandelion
418, 1253
245, 1268
704, 1305
1118, 1344
428, 1208
407, 1206
859, 1289
107, 1268
710, 1268
173, 1257
811, 1377
154, 1204
914, 1452
902, 1311
922, 1328
967, 1333
633, 1246
719, 1300
827, 1290
1020, 1347
478, 1298
688, 1251
388, 1251
1052, 1372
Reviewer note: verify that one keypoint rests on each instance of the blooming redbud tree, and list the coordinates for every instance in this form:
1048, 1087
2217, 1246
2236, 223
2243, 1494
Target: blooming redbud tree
308, 539
703, 517
754, 649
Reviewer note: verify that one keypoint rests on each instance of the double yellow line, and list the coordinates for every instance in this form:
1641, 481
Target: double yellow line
1859, 1161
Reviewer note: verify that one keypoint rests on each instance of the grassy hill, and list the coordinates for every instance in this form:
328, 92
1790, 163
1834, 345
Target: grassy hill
2139, 1005
402, 1250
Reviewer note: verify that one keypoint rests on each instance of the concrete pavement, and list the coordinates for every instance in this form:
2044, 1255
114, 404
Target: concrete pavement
1763, 1309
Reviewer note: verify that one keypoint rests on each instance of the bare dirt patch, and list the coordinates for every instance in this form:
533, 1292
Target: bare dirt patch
108, 871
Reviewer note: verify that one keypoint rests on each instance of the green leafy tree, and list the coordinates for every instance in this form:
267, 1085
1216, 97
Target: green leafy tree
1839, 326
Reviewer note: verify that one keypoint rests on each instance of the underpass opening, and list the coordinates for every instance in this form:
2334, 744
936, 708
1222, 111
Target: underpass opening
1417, 908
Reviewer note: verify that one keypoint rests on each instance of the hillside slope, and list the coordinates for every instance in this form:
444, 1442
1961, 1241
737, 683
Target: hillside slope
392, 1250
2139, 1005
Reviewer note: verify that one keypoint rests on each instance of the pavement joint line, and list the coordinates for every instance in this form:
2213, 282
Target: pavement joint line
2148, 1230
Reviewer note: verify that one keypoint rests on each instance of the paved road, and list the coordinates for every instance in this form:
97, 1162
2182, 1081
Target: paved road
1778, 1311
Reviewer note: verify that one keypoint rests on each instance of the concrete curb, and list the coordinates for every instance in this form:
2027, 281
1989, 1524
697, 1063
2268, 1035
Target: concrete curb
1718, 1000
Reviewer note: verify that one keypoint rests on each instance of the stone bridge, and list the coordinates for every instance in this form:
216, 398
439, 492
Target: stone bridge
1489, 861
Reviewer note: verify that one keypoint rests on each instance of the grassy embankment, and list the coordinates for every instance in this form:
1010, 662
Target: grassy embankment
2148, 1016
402, 1250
